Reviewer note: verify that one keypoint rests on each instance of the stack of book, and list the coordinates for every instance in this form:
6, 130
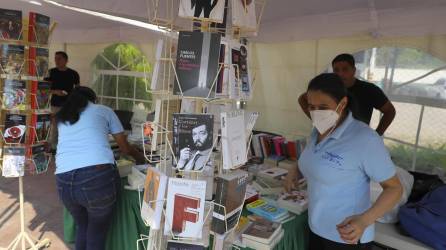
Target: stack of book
262, 234
268, 210
295, 202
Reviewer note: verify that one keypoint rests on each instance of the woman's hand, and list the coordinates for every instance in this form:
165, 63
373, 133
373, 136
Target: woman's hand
290, 180
352, 228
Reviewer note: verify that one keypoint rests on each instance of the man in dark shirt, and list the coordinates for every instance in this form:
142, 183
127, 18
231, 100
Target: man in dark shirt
63, 81
367, 96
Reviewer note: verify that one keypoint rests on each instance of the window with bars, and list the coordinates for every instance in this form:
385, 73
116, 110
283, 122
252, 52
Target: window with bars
415, 82
121, 72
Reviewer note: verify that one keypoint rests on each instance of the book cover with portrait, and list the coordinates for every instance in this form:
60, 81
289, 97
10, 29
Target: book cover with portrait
192, 140
12, 59
211, 10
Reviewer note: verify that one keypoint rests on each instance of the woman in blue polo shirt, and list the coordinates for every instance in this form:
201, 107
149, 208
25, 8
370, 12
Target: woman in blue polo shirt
339, 161
87, 180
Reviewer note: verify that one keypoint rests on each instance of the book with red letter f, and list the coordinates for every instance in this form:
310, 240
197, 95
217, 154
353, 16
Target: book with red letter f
185, 208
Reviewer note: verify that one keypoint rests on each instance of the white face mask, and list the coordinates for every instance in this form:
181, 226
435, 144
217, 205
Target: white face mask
323, 120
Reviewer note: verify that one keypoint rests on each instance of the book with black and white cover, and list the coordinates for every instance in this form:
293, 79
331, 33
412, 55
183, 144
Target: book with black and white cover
177, 245
13, 161
229, 199
153, 201
211, 10
197, 64
192, 140
38, 159
39, 28
244, 14
38, 62
15, 128
40, 95
185, 208
14, 94
239, 76
10, 24
233, 139
12, 59
295, 202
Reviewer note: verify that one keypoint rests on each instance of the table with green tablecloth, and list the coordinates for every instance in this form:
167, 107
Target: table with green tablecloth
127, 226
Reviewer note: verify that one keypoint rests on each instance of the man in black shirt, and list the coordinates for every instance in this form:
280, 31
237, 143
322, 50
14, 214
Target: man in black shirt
63, 80
367, 96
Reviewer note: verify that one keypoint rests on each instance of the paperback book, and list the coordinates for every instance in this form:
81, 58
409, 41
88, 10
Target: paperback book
244, 14
267, 210
13, 161
39, 28
38, 160
211, 10
10, 24
197, 64
295, 202
230, 196
185, 208
38, 62
40, 127
12, 59
15, 128
240, 79
14, 94
40, 94
153, 201
262, 231
192, 140
233, 139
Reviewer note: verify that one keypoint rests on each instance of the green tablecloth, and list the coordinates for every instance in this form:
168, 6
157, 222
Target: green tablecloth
127, 226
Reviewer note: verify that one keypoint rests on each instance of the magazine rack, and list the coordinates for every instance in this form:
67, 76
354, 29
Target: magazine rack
164, 14
23, 239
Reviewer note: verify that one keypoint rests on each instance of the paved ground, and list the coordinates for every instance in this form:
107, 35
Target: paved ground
43, 211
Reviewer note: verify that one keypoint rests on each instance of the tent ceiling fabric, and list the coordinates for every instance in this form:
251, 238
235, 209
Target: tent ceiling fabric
283, 20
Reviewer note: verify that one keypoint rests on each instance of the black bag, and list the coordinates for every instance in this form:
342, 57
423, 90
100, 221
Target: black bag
423, 184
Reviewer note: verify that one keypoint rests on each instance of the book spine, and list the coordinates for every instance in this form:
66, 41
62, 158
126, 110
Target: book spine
224, 140
34, 104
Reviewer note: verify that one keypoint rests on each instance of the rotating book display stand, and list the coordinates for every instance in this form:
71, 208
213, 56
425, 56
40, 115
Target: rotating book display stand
24, 240
164, 13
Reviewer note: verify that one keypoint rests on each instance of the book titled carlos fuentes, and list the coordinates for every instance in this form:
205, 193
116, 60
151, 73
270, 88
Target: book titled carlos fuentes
197, 64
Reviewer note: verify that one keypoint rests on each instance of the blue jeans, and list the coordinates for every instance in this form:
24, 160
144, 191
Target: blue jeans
90, 195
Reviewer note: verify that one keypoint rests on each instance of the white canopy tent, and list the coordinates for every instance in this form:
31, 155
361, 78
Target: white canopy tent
296, 41
283, 20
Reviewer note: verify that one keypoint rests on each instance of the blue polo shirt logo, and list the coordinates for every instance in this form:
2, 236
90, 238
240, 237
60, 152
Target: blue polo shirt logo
333, 157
